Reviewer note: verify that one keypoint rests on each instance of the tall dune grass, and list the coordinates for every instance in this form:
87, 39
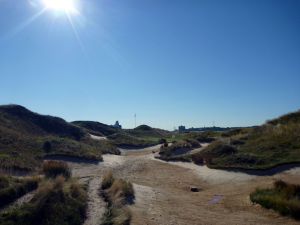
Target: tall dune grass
118, 193
53, 169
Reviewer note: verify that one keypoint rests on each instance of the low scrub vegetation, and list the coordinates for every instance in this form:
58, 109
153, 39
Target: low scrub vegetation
178, 150
117, 193
125, 140
274, 143
52, 169
283, 198
202, 137
57, 202
13, 188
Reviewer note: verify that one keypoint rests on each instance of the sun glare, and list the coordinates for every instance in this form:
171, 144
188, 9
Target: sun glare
67, 6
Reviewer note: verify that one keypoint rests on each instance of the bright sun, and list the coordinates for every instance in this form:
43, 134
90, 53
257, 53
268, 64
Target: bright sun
67, 6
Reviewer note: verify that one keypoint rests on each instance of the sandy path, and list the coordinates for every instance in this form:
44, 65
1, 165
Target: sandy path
92, 173
163, 196
19, 202
96, 206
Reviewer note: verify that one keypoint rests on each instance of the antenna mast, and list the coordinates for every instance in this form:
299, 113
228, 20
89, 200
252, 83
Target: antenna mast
135, 120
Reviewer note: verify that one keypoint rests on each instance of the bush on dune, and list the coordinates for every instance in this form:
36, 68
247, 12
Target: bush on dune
4, 181
178, 150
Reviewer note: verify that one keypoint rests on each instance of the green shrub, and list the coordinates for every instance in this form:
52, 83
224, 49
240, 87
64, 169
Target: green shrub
178, 150
47, 146
283, 197
4, 181
162, 141
198, 159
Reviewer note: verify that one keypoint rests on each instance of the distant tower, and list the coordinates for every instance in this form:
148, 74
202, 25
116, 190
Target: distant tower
135, 120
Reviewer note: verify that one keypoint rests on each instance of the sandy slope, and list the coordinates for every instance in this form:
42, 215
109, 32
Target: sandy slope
98, 137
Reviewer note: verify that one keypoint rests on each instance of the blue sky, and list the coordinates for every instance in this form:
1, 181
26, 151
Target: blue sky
171, 62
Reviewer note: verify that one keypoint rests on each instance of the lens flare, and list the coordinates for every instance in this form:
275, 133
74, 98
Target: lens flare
67, 6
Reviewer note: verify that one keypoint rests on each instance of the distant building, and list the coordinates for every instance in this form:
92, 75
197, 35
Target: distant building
181, 128
117, 125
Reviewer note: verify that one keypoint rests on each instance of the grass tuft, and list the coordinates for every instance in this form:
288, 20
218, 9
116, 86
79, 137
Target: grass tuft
117, 193
107, 180
53, 169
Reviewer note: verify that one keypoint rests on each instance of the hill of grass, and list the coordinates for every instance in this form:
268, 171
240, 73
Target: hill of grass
125, 140
18, 118
96, 128
141, 136
274, 143
286, 119
147, 131
26, 137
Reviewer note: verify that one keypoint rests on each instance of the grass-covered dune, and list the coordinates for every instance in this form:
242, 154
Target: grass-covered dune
275, 143
17, 118
96, 128
139, 137
125, 140
26, 137
147, 131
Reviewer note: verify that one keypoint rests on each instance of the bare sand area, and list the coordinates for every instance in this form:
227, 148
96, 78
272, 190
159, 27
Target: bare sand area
163, 196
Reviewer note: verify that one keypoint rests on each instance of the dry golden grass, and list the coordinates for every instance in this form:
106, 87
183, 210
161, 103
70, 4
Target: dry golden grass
107, 180
53, 169
117, 193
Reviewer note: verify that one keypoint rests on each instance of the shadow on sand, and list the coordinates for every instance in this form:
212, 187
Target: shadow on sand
263, 172
72, 159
